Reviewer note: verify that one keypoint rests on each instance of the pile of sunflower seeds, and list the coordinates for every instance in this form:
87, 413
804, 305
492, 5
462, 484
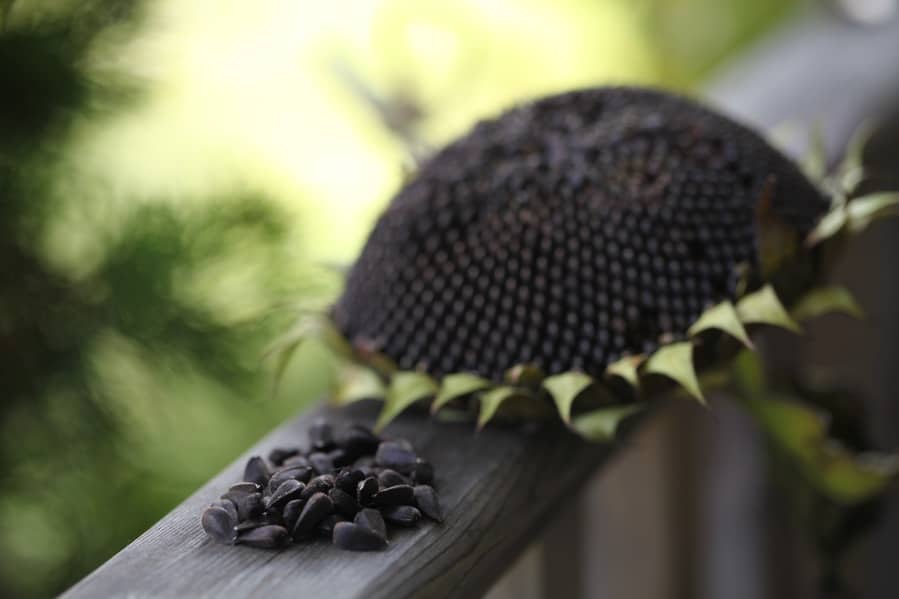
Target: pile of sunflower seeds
346, 487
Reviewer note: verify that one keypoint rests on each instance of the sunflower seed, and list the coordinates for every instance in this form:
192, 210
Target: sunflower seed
339, 458
318, 506
343, 502
423, 472
264, 537
288, 490
325, 528
395, 495
353, 537
321, 435
249, 525
218, 524
366, 490
358, 441
273, 516
371, 519
228, 506
390, 478
299, 473
238, 490
395, 456
348, 480
250, 506
279, 454
297, 460
256, 471
319, 484
366, 461
321, 462
291, 512
402, 515
427, 501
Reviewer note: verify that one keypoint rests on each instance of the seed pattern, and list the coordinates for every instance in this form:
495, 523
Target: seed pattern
566, 233
293, 496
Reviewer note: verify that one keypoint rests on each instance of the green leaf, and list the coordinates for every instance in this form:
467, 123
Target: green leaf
814, 164
867, 209
457, 385
801, 433
723, 317
525, 375
357, 383
855, 216
602, 424
675, 361
764, 307
564, 388
626, 368
826, 299
492, 400
851, 168
829, 225
405, 389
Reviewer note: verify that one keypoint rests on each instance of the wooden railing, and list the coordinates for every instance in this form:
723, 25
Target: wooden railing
506, 489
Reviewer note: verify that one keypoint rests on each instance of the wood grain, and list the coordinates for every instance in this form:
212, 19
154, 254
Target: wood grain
497, 488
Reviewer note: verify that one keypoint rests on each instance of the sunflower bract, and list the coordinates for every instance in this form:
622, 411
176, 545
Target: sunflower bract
566, 233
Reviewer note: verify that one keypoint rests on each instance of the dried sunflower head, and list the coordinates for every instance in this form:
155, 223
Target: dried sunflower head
587, 234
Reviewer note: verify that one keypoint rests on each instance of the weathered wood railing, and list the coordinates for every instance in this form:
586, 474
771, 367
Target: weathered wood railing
501, 487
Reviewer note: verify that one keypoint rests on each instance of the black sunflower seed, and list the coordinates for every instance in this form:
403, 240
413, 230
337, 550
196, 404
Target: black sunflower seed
319, 484
358, 441
279, 454
321, 435
353, 537
288, 490
348, 480
264, 537
390, 478
423, 472
339, 458
366, 490
273, 516
344, 503
373, 520
291, 512
402, 515
325, 528
249, 525
256, 471
300, 473
321, 462
228, 506
364, 463
297, 460
395, 456
427, 501
238, 490
318, 506
395, 495
218, 524
250, 506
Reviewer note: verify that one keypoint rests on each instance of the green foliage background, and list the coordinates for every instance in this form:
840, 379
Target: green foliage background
140, 281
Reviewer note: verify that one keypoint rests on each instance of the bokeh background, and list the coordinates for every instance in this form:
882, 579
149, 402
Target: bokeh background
178, 178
